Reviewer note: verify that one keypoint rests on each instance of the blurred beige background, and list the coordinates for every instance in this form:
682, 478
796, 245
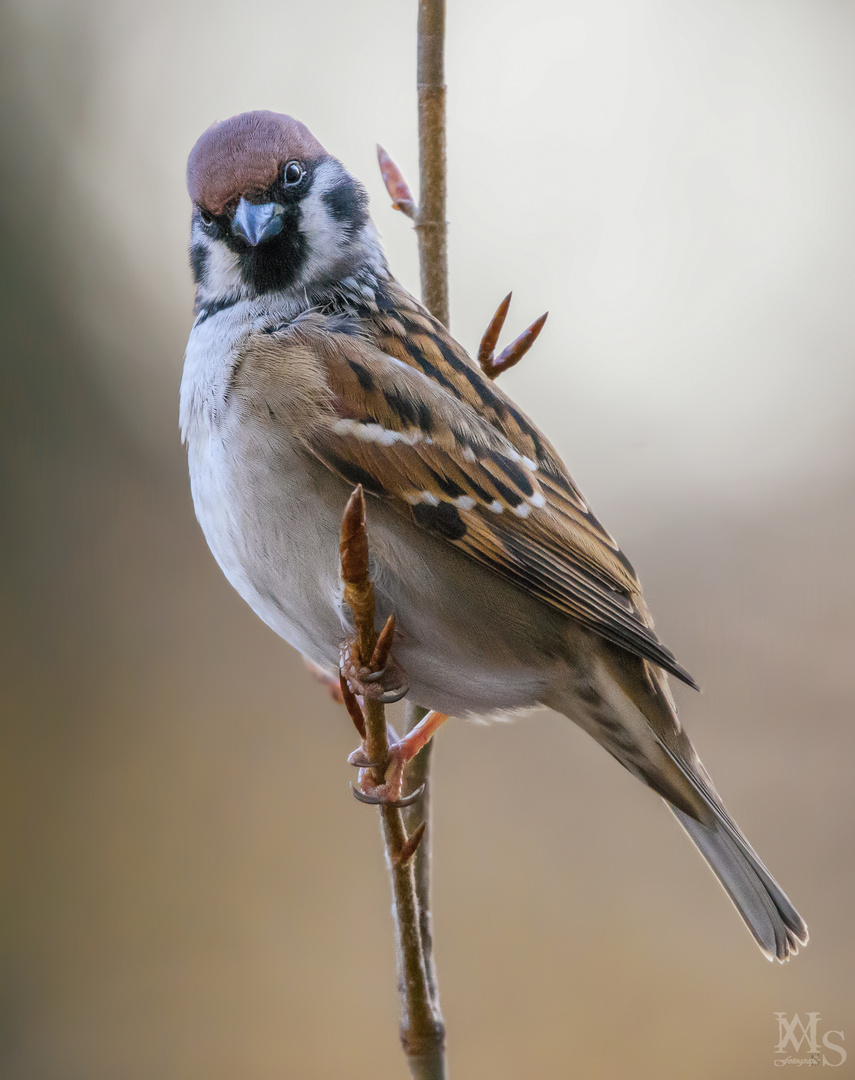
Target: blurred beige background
187, 889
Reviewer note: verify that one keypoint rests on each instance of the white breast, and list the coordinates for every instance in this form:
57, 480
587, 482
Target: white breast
254, 500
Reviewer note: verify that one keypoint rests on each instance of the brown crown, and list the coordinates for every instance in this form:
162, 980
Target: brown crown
244, 156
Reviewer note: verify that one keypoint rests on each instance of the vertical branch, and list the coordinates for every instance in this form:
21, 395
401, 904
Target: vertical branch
432, 232
417, 776
406, 826
421, 1026
405, 815
431, 226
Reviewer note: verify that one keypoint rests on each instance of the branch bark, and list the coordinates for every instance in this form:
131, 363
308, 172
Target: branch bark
421, 1026
432, 233
406, 830
431, 226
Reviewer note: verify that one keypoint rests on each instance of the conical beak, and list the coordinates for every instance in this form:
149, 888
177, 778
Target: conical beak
255, 224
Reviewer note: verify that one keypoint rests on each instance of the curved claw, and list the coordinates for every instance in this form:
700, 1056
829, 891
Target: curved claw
360, 759
408, 800
378, 800
369, 800
371, 682
389, 697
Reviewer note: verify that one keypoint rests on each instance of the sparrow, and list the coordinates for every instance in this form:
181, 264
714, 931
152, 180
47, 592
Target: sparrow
309, 369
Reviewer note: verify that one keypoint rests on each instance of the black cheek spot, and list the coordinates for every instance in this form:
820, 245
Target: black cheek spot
443, 519
198, 262
346, 202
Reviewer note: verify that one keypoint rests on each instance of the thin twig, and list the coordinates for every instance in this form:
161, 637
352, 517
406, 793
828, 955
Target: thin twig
421, 812
431, 226
421, 1027
406, 824
432, 234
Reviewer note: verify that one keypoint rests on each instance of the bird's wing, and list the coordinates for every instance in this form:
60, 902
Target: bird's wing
406, 436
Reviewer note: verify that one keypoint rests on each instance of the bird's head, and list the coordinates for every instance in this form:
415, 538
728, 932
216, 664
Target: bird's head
272, 210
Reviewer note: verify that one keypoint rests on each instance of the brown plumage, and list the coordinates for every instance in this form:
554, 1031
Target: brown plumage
244, 156
311, 370
482, 477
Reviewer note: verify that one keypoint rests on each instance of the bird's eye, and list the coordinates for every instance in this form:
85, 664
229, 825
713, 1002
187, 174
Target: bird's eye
207, 219
293, 173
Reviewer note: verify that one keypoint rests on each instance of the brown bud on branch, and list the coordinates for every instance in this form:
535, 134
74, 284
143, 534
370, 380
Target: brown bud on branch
351, 703
396, 185
358, 588
383, 648
493, 366
411, 844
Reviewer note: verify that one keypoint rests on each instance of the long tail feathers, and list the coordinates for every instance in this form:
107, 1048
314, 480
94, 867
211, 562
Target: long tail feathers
774, 923
632, 715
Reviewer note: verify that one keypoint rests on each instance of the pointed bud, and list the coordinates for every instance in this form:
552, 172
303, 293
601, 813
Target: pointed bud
396, 185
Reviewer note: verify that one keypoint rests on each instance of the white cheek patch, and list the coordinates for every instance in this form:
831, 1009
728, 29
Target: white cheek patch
222, 271
322, 232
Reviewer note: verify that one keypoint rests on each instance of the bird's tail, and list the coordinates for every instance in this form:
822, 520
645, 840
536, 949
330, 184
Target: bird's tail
628, 709
774, 923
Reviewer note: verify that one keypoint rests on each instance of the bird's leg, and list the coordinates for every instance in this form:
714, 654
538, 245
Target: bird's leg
401, 753
382, 678
329, 682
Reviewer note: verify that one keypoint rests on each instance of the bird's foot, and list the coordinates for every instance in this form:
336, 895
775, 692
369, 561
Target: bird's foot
382, 678
401, 753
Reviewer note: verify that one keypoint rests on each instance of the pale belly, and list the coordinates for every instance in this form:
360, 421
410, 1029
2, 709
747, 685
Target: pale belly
274, 526
265, 530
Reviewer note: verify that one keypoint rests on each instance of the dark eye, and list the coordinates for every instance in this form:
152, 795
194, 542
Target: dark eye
293, 172
207, 219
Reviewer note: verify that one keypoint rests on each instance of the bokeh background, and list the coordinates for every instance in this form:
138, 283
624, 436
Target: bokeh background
188, 889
